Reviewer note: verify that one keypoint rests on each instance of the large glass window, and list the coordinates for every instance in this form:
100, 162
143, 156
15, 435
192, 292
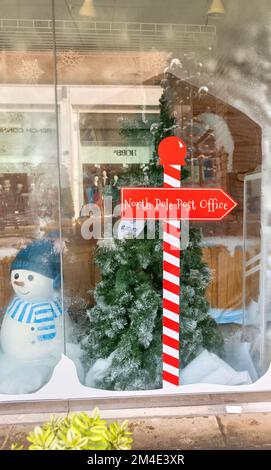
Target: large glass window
88, 90
31, 304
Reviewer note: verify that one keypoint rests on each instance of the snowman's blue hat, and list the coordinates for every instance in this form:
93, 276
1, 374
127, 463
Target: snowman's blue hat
40, 257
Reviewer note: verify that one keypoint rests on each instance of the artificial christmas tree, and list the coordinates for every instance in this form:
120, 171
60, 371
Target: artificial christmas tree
125, 325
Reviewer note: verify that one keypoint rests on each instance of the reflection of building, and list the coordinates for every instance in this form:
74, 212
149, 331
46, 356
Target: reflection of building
94, 153
91, 119
88, 137
105, 153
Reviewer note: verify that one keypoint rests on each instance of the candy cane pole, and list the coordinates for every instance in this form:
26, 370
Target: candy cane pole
172, 152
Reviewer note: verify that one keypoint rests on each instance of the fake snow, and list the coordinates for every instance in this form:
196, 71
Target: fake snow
23, 377
221, 132
231, 243
237, 355
98, 371
108, 243
249, 317
8, 252
210, 369
20, 377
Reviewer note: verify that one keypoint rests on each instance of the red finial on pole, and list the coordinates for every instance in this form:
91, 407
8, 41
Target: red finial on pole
172, 151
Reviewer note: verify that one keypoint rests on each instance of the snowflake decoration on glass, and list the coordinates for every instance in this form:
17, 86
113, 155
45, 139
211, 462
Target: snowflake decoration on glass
60, 246
156, 64
68, 58
3, 149
14, 117
29, 71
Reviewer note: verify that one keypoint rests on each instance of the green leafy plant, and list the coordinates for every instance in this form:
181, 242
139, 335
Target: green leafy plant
79, 431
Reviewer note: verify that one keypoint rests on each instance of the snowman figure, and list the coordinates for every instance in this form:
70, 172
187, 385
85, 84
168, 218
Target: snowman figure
32, 327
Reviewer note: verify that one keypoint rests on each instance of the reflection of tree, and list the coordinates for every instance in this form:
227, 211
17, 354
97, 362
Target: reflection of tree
67, 206
137, 131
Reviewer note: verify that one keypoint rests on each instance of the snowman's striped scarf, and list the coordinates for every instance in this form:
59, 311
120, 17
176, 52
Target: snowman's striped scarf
42, 315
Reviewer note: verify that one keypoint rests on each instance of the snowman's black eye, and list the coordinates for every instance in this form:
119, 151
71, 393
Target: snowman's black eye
16, 276
30, 277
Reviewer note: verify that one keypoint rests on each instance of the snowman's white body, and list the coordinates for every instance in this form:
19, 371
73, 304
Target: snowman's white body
19, 339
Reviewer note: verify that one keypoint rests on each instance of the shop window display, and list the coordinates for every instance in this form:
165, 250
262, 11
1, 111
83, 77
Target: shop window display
109, 148
71, 136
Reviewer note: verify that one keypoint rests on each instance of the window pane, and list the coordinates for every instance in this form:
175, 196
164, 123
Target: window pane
31, 305
130, 75
126, 75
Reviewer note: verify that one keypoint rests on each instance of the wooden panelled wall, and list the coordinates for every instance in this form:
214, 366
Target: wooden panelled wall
81, 276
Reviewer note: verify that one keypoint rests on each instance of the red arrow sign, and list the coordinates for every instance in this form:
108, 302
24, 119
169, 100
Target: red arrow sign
175, 203
166, 204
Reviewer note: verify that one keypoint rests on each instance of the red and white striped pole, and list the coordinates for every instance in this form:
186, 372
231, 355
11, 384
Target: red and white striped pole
172, 152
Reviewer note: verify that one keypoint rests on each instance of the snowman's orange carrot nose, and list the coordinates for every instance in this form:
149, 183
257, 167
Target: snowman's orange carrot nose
18, 283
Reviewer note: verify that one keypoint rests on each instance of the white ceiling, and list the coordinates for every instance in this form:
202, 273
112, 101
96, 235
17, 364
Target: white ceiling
238, 14
168, 11
78, 34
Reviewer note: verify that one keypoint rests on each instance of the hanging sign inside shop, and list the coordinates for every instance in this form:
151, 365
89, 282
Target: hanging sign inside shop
108, 154
169, 204
27, 137
21, 130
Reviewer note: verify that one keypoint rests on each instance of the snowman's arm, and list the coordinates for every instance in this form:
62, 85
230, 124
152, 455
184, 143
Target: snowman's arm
57, 309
